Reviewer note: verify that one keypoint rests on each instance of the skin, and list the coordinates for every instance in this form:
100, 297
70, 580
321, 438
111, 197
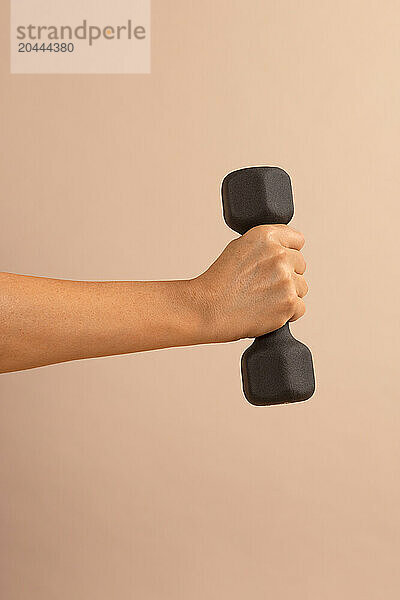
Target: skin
255, 286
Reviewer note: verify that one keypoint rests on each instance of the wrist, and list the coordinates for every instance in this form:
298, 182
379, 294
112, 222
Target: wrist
201, 308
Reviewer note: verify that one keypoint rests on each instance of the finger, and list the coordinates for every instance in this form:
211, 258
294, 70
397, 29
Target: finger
289, 237
301, 285
297, 261
299, 311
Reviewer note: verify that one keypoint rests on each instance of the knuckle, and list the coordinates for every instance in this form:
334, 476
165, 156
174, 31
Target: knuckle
277, 253
291, 300
285, 277
280, 252
268, 232
256, 233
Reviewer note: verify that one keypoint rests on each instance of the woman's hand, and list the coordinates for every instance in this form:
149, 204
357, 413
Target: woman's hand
255, 286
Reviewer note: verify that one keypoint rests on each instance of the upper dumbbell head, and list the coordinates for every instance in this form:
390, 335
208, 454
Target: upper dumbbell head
257, 196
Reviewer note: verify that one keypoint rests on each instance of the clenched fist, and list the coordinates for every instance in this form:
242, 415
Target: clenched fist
256, 285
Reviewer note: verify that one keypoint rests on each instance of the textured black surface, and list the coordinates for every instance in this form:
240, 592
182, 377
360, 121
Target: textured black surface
257, 196
276, 368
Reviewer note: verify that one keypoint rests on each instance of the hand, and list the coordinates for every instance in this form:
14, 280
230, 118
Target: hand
255, 286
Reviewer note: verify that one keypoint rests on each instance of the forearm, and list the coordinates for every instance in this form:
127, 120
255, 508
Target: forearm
45, 321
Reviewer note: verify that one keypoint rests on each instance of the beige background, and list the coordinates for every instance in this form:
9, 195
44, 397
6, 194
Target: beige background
149, 476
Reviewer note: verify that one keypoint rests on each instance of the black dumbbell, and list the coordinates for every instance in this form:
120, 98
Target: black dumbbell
276, 368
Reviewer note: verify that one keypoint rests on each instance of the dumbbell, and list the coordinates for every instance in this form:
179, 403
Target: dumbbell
276, 368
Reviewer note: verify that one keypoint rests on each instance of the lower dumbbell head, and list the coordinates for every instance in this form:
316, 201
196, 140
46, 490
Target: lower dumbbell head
277, 369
